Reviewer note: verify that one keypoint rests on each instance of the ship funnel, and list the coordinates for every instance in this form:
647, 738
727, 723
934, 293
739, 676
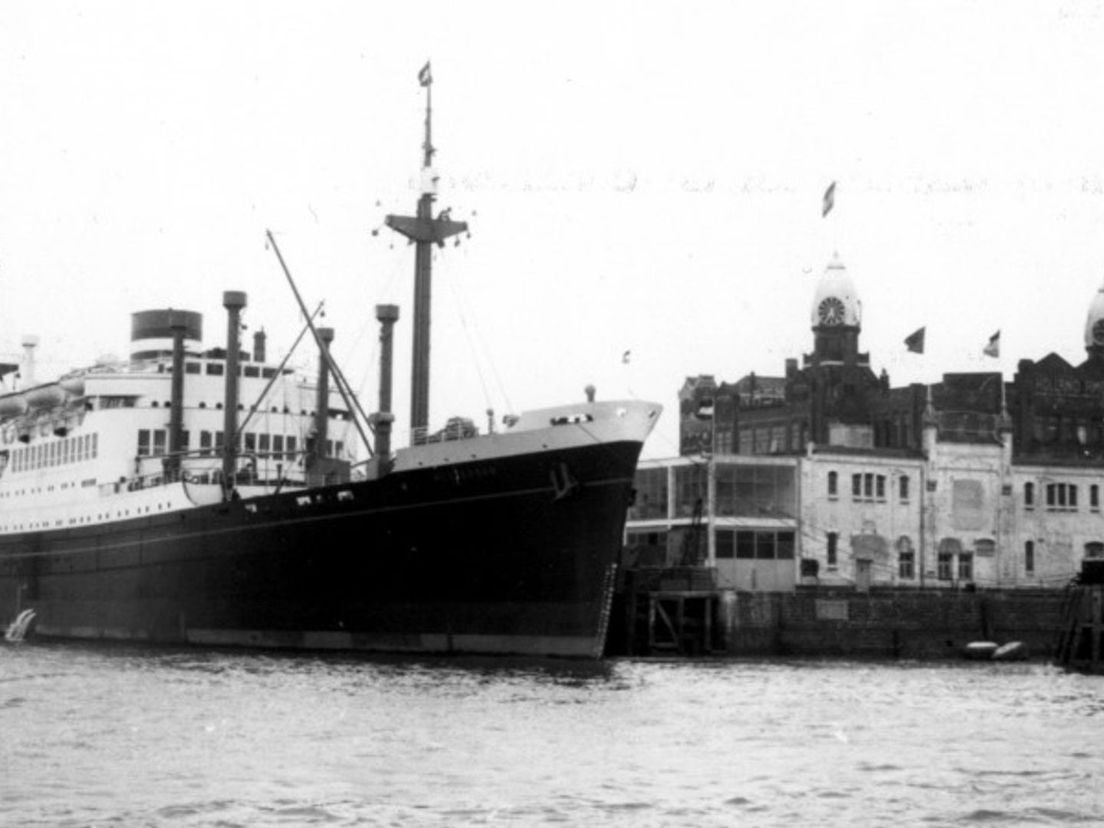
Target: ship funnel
387, 316
233, 301
153, 332
30, 342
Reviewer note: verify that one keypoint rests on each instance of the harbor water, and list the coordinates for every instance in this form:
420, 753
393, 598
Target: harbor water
99, 736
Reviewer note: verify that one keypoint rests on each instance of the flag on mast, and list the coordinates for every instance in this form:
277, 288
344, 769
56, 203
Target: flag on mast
424, 77
829, 200
915, 341
993, 348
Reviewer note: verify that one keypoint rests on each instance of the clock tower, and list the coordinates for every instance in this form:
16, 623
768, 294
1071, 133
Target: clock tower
1094, 328
836, 318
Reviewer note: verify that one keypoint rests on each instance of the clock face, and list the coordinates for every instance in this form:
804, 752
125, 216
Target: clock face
831, 311
1098, 332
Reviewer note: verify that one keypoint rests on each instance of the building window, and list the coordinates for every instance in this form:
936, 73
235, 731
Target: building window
903, 488
868, 486
966, 566
906, 565
764, 546
1029, 495
650, 485
761, 545
745, 545
784, 546
833, 549
1061, 497
725, 547
1029, 557
943, 566
856, 486
1094, 497
833, 484
1094, 549
880, 489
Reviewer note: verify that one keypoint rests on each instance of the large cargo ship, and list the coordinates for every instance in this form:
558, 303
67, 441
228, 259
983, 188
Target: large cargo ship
197, 495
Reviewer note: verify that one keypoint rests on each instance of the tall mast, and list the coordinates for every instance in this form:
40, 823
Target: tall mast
424, 230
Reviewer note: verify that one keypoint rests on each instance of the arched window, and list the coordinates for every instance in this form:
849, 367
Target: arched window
1029, 557
903, 488
833, 484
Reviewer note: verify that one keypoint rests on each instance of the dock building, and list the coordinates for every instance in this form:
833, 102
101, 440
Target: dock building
829, 475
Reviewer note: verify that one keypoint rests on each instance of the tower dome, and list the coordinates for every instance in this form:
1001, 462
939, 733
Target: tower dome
835, 301
1094, 324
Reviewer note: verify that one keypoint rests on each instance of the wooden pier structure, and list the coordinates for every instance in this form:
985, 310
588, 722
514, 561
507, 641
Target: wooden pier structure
1081, 643
671, 611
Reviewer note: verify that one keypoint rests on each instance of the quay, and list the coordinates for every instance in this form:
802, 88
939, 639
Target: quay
679, 611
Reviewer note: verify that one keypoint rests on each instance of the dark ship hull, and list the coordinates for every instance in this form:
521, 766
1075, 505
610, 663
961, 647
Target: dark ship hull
513, 554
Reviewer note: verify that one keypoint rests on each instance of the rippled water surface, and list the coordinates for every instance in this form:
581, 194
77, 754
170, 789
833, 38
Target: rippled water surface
124, 736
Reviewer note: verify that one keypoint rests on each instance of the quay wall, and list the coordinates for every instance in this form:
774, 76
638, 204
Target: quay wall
887, 623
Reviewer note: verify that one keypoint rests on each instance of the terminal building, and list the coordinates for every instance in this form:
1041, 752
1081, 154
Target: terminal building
828, 475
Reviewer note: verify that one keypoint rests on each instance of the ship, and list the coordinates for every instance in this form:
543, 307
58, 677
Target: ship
209, 496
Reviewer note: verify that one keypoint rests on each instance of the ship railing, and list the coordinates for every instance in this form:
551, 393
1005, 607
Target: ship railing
456, 429
136, 483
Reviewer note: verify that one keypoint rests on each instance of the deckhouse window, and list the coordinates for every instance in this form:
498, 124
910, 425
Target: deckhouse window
143, 442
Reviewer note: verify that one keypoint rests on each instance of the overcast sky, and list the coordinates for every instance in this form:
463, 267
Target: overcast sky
638, 176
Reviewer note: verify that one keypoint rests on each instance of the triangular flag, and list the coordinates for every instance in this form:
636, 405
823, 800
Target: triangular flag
424, 77
993, 348
915, 341
829, 199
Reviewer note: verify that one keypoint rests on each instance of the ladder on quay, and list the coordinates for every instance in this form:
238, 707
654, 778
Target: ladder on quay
1081, 641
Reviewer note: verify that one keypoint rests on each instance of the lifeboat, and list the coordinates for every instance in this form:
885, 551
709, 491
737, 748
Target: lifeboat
1012, 651
12, 405
980, 650
45, 397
